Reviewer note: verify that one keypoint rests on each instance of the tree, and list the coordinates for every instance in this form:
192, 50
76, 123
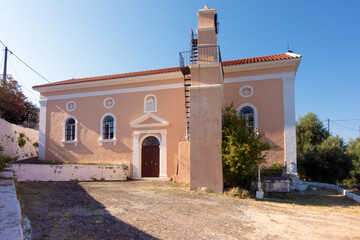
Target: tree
242, 150
353, 149
320, 156
31, 115
310, 131
12, 101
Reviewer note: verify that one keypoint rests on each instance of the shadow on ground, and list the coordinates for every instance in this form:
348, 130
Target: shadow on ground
64, 210
321, 197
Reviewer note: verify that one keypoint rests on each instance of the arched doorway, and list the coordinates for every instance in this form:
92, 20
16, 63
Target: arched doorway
150, 155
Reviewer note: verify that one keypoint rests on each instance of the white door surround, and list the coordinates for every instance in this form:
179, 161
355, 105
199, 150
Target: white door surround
137, 143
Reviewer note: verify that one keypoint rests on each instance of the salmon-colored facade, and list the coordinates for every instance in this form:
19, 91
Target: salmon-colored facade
112, 119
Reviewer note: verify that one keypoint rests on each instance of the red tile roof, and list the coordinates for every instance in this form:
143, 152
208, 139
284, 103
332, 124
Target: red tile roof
276, 57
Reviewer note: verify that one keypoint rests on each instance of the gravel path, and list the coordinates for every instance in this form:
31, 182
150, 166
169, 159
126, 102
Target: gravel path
165, 210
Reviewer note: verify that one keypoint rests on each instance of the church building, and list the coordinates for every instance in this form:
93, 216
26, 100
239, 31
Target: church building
167, 123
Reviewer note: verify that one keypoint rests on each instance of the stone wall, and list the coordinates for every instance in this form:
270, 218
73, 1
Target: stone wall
69, 172
10, 213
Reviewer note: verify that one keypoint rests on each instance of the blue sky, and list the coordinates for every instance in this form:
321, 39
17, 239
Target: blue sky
72, 39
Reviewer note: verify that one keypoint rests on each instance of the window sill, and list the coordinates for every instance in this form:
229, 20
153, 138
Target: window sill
101, 141
63, 142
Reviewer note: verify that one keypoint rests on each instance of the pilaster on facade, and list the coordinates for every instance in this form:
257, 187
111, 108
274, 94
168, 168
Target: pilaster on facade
42, 129
289, 124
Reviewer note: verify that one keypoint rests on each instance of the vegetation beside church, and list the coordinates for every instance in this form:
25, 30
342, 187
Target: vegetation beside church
322, 157
14, 107
242, 150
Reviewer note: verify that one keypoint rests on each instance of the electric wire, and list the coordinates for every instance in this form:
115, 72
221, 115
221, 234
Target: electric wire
29, 67
344, 126
342, 120
23, 85
2, 44
2, 60
25, 63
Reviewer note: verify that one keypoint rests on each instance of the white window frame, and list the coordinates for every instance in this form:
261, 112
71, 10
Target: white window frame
75, 141
101, 140
145, 103
256, 120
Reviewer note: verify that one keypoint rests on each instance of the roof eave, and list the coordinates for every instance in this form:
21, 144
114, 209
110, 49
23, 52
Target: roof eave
108, 82
261, 65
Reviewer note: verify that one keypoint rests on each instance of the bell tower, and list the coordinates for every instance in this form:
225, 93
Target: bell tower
204, 79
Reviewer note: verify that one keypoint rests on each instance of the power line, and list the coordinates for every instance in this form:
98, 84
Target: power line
345, 126
2, 44
30, 67
2, 60
342, 120
36, 97
26, 63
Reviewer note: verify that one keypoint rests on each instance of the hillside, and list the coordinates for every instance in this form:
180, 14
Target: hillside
11, 134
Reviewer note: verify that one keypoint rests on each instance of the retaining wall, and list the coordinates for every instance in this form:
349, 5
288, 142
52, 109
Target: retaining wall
344, 192
69, 172
10, 213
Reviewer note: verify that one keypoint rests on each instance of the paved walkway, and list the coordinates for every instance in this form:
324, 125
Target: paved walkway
165, 210
10, 214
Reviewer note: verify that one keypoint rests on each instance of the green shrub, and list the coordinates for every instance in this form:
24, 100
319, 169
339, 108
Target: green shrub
275, 170
353, 150
238, 193
321, 157
36, 144
21, 139
242, 150
4, 161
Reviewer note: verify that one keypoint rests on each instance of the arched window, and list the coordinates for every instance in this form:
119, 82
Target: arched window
151, 141
150, 103
248, 114
108, 127
69, 131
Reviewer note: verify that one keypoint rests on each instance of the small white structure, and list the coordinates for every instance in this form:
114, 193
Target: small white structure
259, 192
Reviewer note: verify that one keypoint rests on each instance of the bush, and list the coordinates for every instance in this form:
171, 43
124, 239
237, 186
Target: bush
4, 161
275, 170
353, 149
21, 139
238, 192
321, 157
12, 101
36, 144
326, 162
242, 150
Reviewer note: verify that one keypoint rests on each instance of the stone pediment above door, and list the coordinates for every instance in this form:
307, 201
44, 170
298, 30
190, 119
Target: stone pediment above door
149, 120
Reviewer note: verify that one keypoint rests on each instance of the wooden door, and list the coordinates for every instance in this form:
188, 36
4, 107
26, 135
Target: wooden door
150, 161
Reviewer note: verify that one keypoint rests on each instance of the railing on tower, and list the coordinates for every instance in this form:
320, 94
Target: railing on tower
207, 54
196, 55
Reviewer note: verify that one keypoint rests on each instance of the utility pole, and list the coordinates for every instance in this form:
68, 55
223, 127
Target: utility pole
5, 64
328, 125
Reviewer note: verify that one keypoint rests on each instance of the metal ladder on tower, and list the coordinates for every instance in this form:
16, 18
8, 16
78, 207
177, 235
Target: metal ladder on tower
187, 81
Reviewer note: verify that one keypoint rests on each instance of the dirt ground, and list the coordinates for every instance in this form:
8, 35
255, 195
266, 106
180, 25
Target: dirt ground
166, 210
